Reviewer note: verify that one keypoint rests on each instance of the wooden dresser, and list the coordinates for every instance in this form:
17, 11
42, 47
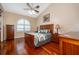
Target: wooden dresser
69, 45
9, 32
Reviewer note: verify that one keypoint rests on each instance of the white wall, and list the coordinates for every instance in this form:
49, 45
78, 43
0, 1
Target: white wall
66, 15
1, 31
1, 26
12, 18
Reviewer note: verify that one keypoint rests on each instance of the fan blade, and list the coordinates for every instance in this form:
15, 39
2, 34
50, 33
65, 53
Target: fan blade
36, 11
29, 5
37, 6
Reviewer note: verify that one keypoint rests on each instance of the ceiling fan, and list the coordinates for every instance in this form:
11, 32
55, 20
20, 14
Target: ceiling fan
31, 8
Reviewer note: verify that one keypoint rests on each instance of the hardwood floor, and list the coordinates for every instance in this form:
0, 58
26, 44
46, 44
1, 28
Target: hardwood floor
0, 48
19, 47
51, 48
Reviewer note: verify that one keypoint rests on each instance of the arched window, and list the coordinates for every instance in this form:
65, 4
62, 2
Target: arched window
23, 25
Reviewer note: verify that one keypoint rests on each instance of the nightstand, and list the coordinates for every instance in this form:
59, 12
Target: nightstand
55, 38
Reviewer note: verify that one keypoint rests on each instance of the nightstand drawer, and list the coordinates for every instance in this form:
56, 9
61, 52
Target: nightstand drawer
55, 38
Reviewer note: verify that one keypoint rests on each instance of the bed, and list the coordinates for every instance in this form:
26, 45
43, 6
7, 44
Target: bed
41, 37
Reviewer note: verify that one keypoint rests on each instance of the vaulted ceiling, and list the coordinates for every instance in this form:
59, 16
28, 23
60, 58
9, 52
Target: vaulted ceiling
19, 8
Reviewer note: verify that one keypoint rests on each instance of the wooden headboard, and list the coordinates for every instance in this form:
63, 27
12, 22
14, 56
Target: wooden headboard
48, 27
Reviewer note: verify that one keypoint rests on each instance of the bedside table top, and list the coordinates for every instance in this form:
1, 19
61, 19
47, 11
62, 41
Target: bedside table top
76, 37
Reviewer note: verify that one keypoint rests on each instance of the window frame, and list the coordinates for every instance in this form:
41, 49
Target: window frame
24, 24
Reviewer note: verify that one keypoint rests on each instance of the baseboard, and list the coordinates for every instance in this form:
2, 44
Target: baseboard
19, 37
14, 38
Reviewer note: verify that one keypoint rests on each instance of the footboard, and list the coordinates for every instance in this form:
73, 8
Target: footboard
29, 40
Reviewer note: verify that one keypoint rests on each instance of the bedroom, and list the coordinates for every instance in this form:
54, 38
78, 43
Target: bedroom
56, 18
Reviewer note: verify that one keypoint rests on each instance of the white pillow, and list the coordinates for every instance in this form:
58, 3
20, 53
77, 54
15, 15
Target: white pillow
43, 31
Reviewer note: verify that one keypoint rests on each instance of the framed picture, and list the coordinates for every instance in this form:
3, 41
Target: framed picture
46, 18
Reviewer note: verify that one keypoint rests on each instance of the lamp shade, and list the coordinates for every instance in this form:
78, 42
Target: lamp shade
57, 26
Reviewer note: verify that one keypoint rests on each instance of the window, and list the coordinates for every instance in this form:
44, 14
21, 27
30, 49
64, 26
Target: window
23, 25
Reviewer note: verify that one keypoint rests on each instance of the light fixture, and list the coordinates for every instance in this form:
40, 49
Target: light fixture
57, 27
32, 12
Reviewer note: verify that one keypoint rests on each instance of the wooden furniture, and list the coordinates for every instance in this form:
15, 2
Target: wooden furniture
69, 45
55, 38
29, 38
9, 32
49, 27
